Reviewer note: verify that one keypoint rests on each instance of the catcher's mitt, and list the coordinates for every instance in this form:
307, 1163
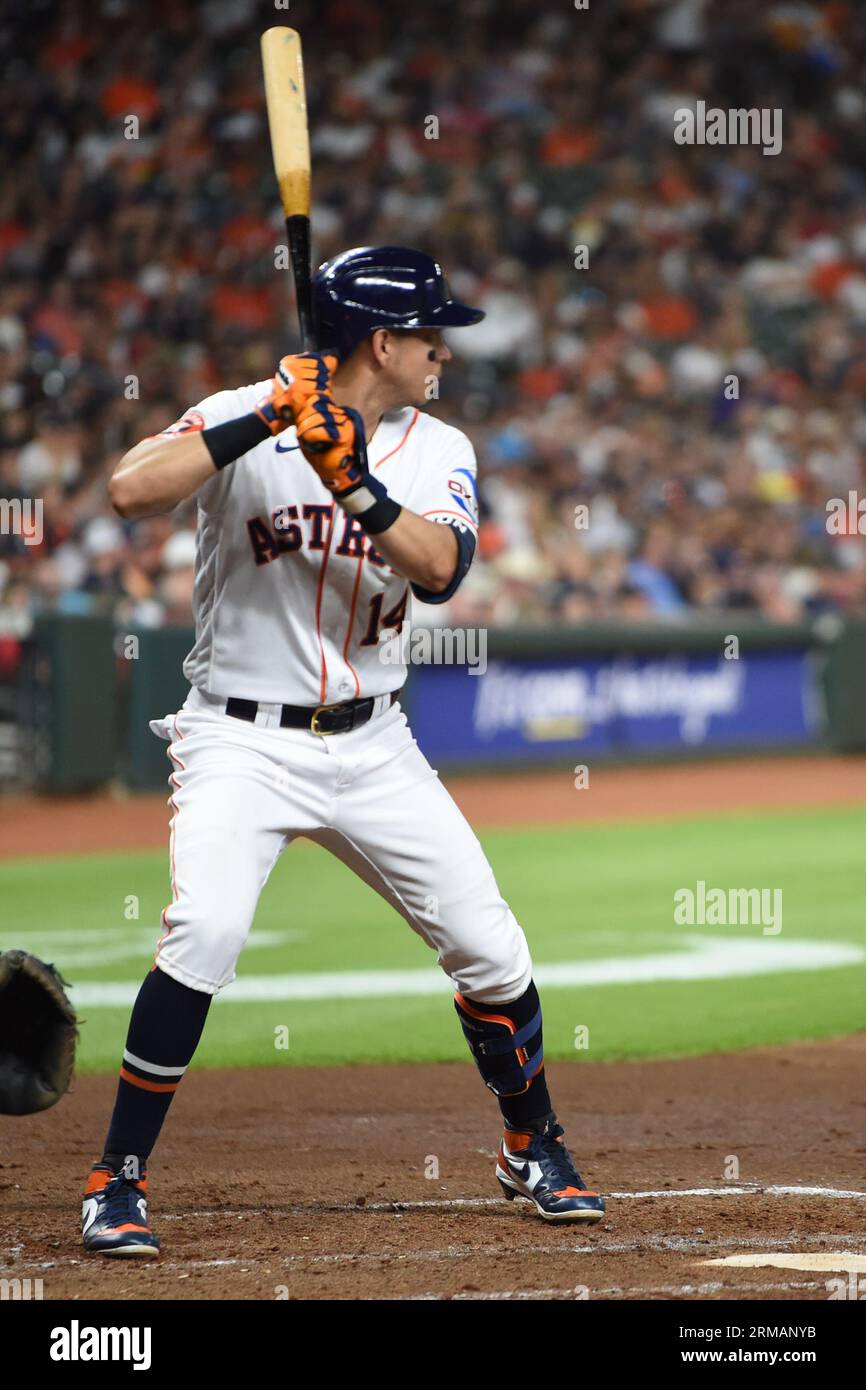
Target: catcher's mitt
37, 1035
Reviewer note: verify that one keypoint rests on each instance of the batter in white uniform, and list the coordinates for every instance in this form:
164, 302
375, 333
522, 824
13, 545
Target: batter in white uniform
326, 499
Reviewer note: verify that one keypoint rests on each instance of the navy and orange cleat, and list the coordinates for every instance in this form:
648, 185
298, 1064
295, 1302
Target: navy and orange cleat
114, 1215
540, 1168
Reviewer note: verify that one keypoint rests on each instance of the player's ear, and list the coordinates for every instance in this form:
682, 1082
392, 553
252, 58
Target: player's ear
381, 345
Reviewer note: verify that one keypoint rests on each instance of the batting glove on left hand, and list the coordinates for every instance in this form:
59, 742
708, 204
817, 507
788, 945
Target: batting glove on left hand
332, 439
298, 378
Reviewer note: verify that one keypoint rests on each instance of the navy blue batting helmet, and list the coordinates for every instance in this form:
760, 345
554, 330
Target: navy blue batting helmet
382, 287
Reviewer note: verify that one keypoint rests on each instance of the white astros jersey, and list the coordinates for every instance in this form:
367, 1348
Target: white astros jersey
290, 593
290, 599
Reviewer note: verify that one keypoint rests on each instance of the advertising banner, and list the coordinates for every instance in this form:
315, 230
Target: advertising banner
614, 706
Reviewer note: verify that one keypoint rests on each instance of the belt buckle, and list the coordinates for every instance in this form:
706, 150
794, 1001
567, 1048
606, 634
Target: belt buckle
314, 725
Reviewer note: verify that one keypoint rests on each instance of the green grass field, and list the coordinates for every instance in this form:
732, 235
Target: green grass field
590, 898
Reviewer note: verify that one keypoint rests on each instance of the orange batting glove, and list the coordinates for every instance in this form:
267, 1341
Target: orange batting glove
332, 439
298, 378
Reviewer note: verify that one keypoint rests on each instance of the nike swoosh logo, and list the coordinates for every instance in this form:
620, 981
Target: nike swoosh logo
527, 1171
288, 449
88, 1214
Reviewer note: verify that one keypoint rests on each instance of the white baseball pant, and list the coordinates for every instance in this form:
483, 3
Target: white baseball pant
241, 792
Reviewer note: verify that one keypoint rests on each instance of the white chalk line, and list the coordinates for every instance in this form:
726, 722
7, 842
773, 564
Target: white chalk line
656, 1244
672, 1244
449, 1203
745, 1190
695, 956
574, 1296
598, 1245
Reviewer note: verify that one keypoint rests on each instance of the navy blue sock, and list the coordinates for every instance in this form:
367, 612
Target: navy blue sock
167, 1022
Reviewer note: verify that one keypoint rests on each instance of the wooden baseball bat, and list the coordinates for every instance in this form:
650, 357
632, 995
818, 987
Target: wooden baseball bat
290, 145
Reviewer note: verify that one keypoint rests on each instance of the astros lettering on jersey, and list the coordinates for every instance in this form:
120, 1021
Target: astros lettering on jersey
273, 542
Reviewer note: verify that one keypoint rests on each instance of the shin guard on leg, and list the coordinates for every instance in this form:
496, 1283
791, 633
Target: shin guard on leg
505, 1040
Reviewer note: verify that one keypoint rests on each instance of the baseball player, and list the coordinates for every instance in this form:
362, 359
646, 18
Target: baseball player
326, 498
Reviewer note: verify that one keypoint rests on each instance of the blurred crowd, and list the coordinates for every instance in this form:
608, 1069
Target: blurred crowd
669, 383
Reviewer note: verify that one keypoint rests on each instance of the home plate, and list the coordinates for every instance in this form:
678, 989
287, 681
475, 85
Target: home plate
850, 1264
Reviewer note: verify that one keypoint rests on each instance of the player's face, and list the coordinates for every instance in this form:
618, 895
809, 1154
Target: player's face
419, 356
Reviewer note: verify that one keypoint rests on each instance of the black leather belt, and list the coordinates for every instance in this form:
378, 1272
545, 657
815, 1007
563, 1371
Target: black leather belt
324, 719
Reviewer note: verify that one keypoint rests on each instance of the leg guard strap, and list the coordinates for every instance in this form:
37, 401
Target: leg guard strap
505, 1040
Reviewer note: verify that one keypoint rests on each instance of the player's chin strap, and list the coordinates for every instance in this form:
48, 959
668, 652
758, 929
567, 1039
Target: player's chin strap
505, 1040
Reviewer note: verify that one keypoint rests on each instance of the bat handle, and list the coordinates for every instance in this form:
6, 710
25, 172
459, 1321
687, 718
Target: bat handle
298, 232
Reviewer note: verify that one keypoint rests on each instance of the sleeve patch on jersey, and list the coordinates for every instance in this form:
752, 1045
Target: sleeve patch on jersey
187, 424
458, 520
462, 487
